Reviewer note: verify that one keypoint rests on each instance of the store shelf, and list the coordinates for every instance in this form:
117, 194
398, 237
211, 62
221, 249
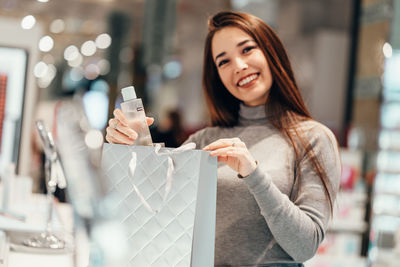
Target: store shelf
335, 261
384, 257
348, 226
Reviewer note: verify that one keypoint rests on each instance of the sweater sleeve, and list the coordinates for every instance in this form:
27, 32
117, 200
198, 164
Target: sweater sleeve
299, 226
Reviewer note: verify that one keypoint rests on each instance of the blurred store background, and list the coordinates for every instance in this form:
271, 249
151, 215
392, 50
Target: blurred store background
345, 54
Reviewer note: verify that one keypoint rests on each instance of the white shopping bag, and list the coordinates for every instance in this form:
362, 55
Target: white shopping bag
167, 199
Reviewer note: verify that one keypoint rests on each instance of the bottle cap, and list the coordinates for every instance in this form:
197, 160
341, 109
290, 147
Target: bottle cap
128, 93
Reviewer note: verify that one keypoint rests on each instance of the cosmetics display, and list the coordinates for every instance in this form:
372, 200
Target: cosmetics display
384, 247
342, 244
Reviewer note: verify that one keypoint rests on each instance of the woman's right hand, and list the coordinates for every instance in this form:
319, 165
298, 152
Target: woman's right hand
118, 131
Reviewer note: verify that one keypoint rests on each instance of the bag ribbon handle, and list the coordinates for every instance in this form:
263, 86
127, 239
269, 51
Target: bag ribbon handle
170, 170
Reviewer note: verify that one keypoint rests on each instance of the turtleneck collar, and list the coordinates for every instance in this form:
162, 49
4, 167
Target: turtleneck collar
252, 115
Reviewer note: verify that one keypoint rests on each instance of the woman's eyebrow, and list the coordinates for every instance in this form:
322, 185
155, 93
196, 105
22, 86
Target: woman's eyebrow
243, 42
238, 45
219, 55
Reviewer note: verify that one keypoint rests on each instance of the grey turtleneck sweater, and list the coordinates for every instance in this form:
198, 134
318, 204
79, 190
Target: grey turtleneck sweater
268, 217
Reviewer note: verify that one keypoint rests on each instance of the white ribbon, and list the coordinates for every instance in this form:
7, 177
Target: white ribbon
170, 171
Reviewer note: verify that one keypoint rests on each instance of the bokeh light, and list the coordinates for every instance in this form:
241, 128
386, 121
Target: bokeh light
57, 26
76, 62
76, 74
46, 43
104, 66
88, 48
50, 74
28, 22
92, 71
71, 53
40, 69
387, 50
103, 41
172, 69
96, 108
94, 139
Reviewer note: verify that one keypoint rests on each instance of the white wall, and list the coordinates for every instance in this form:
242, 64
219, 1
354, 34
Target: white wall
12, 35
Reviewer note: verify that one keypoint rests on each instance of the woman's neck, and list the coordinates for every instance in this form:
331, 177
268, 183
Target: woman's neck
249, 115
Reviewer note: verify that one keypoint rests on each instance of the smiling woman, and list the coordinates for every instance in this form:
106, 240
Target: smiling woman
279, 169
242, 67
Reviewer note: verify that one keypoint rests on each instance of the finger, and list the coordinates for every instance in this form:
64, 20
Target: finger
227, 151
225, 142
118, 114
111, 139
127, 131
149, 120
117, 137
117, 125
239, 142
112, 122
220, 143
222, 159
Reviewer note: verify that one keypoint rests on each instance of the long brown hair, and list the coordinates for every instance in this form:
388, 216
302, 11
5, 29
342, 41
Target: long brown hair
285, 106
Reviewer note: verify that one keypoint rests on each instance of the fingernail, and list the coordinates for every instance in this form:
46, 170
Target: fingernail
205, 148
133, 135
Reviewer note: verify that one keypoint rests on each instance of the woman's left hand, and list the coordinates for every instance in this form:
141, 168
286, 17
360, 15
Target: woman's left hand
234, 153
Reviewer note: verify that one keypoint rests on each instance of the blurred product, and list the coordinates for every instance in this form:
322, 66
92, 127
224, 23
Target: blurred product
79, 147
54, 176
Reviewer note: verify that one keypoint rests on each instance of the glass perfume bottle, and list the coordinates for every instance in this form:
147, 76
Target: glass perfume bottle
133, 109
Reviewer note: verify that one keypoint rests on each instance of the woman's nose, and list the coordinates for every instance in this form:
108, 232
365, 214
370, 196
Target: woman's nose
240, 64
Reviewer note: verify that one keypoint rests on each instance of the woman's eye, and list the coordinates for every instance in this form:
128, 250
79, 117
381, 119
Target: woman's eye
222, 62
247, 49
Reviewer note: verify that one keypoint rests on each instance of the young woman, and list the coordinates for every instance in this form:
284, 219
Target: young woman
279, 170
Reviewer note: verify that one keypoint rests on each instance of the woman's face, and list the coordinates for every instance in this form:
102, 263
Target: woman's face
241, 65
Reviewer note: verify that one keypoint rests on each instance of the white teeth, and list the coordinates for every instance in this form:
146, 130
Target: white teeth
247, 80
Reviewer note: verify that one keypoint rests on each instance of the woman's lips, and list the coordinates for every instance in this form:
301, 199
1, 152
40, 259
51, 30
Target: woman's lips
248, 80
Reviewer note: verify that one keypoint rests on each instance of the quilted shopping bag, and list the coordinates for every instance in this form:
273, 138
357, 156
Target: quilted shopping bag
167, 200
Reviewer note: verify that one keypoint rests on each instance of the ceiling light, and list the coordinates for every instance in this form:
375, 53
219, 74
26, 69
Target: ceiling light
76, 62
88, 48
387, 50
71, 53
103, 41
46, 43
28, 22
51, 71
40, 69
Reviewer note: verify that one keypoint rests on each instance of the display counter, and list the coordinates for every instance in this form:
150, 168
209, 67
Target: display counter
35, 209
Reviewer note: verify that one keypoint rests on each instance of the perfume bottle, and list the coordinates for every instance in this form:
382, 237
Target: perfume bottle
133, 109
